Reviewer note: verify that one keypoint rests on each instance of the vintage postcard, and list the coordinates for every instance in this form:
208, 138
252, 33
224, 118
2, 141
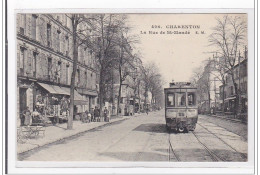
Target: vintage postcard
104, 87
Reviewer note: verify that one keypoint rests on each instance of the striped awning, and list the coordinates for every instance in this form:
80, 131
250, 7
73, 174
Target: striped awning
54, 89
78, 99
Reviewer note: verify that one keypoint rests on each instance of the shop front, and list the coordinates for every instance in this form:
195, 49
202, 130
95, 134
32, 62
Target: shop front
89, 97
25, 96
229, 105
53, 102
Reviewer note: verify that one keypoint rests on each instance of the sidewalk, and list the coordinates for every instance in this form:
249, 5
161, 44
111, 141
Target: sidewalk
229, 117
59, 132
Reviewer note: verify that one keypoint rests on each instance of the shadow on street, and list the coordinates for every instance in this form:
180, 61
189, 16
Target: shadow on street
152, 127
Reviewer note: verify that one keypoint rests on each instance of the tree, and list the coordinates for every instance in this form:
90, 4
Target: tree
201, 78
195, 79
153, 82
228, 36
80, 35
126, 59
220, 75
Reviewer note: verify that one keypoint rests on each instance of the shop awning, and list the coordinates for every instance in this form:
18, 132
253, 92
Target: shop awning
54, 89
78, 99
87, 92
61, 90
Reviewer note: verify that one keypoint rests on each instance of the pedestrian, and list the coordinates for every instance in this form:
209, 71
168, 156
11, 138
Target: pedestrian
89, 117
27, 116
106, 113
97, 114
22, 118
84, 116
92, 114
147, 110
35, 117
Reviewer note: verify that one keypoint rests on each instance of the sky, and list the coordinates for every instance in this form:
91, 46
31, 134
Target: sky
176, 55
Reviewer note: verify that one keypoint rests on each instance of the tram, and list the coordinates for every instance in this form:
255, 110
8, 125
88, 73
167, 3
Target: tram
181, 110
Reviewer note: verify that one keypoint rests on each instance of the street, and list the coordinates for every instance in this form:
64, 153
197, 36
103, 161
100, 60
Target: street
145, 138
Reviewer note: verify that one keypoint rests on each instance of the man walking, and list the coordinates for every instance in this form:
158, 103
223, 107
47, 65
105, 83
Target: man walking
97, 114
106, 114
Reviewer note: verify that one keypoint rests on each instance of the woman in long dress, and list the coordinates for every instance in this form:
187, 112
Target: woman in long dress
27, 115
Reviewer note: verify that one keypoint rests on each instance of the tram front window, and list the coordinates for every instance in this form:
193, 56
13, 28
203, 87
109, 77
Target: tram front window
181, 99
170, 100
191, 99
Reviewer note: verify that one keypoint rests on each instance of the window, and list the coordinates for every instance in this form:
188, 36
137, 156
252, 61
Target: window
170, 100
85, 56
49, 68
58, 72
58, 40
34, 64
180, 99
34, 17
67, 45
86, 77
191, 99
49, 35
21, 61
67, 74
78, 71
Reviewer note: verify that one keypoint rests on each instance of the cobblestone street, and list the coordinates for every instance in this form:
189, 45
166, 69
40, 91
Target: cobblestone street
145, 138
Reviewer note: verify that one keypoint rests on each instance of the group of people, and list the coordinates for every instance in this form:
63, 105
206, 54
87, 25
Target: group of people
94, 115
28, 118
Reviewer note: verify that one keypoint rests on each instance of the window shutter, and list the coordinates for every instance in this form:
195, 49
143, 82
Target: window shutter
18, 21
29, 24
43, 32
18, 59
62, 40
53, 37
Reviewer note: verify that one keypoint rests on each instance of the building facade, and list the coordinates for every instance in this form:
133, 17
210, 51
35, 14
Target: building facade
44, 65
229, 89
208, 88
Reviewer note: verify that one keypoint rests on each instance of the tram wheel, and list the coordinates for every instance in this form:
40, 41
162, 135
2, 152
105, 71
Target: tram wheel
181, 129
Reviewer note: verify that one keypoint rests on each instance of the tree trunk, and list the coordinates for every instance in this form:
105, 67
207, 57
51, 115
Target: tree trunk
236, 108
145, 96
119, 91
209, 100
73, 76
120, 76
101, 89
223, 99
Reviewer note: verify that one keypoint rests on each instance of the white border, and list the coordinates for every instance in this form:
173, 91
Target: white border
233, 168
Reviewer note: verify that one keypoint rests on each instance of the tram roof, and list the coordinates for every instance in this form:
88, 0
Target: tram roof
180, 85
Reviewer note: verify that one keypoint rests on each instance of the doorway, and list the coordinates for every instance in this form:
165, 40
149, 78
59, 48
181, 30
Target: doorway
23, 99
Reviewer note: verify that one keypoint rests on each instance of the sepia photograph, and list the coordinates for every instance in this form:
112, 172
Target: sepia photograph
131, 87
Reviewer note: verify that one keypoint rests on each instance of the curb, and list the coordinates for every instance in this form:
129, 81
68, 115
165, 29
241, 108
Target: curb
71, 136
